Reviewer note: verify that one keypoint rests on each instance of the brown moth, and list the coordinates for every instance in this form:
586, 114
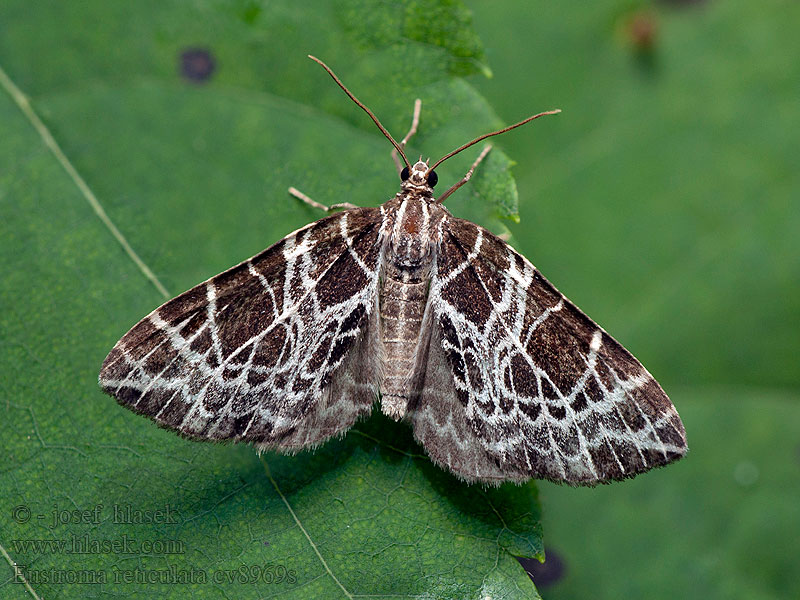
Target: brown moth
500, 376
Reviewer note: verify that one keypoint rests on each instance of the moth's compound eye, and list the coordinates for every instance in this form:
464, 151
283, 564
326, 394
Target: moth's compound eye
433, 179
405, 173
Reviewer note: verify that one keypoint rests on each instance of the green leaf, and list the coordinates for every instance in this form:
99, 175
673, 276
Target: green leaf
195, 177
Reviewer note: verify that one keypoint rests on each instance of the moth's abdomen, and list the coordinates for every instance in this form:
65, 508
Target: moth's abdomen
402, 305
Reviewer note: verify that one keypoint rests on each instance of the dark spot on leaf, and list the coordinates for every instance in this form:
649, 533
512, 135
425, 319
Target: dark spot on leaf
642, 30
639, 30
197, 64
249, 14
544, 574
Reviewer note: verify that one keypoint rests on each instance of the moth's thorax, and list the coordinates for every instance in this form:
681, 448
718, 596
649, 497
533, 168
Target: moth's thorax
414, 231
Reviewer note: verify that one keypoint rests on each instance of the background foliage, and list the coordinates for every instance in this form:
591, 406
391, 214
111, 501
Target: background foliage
663, 201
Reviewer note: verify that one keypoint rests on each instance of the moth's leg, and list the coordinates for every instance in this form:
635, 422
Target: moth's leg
301, 196
411, 132
466, 177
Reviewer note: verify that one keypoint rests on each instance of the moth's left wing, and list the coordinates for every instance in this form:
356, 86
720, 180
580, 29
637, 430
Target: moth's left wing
526, 384
279, 350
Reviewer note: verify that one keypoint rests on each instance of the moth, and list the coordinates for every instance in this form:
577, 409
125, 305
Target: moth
500, 376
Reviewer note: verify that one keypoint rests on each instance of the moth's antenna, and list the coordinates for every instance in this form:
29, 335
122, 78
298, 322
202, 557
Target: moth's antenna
486, 135
366, 110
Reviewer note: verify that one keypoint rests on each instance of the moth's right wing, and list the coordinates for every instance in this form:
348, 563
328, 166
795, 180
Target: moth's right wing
520, 383
278, 351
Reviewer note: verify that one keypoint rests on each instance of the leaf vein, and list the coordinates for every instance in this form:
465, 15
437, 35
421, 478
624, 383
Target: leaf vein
303, 529
18, 574
24, 105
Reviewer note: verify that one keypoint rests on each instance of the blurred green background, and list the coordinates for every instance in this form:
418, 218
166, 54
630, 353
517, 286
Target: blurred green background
666, 204
663, 201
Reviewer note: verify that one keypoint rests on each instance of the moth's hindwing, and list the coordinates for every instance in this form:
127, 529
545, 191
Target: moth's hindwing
278, 350
520, 383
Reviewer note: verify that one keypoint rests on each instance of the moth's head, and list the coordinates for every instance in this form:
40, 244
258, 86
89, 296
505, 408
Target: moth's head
419, 177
